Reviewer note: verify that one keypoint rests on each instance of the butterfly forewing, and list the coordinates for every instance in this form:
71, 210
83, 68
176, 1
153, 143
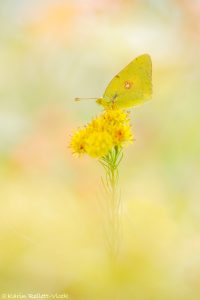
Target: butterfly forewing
133, 85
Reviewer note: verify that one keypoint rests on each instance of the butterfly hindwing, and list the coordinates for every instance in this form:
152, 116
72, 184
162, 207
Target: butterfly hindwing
132, 85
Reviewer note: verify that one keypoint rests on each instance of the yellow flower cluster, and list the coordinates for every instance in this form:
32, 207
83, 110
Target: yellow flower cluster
111, 128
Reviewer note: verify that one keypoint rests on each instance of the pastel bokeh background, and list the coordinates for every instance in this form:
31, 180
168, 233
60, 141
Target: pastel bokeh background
51, 237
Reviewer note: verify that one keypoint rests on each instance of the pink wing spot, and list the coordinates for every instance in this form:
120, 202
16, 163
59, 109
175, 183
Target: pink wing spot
128, 84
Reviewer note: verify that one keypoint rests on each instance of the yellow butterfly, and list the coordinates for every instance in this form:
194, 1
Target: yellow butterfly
131, 86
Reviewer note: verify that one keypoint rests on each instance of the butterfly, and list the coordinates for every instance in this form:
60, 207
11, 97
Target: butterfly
131, 86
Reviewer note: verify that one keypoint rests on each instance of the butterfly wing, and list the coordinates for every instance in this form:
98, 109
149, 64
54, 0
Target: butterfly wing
132, 85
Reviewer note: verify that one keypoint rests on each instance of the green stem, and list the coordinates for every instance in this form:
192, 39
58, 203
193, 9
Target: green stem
111, 163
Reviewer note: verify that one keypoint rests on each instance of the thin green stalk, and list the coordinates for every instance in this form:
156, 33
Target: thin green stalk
110, 164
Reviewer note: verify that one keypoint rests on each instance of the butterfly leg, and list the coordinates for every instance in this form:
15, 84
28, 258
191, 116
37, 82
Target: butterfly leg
113, 100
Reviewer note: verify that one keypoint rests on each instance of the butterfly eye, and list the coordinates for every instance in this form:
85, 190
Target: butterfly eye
128, 84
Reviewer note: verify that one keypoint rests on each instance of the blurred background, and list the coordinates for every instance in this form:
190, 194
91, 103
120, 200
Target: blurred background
51, 232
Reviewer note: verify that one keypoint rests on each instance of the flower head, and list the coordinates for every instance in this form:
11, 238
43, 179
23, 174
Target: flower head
121, 134
115, 115
78, 141
112, 128
99, 143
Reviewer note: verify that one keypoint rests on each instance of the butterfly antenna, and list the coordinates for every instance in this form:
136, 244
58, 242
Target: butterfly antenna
79, 99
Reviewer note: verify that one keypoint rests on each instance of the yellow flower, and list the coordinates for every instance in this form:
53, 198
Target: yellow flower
98, 144
111, 128
78, 141
121, 134
115, 116
97, 124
